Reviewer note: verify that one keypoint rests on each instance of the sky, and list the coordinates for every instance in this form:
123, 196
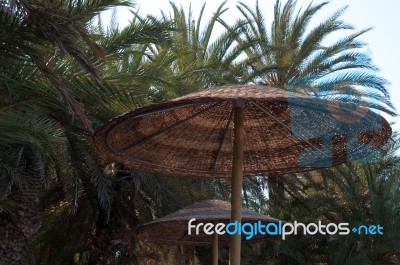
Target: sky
382, 15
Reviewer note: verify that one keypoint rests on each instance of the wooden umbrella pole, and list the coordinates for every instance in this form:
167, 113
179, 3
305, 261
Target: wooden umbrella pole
237, 175
215, 248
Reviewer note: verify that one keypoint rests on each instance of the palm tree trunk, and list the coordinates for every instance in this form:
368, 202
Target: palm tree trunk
103, 251
112, 237
276, 187
15, 236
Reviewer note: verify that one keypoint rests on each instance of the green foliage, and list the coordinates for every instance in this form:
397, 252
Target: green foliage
358, 194
193, 60
292, 55
63, 73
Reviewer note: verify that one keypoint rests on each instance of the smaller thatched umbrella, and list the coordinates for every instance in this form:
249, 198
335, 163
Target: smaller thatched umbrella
173, 228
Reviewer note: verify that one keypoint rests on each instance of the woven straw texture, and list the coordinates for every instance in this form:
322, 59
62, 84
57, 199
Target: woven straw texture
173, 229
284, 133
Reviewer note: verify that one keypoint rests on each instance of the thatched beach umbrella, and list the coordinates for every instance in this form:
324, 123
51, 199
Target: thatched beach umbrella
242, 130
172, 229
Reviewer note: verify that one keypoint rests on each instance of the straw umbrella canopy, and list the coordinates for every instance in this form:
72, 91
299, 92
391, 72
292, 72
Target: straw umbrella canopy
242, 130
172, 229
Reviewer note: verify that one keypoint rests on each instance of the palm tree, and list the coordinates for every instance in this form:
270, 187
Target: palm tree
356, 193
194, 60
28, 142
365, 194
43, 118
91, 212
292, 55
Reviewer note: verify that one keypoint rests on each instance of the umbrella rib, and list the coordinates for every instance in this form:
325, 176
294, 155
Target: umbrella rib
150, 137
298, 135
221, 142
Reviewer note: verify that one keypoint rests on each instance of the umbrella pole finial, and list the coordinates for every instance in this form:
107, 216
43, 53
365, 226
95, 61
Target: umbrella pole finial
237, 175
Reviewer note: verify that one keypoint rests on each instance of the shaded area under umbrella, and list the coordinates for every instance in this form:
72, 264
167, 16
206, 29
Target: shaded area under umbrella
242, 130
172, 229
